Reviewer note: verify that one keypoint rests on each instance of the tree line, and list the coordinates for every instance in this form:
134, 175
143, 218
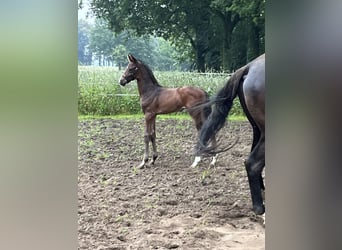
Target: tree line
98, 45
216, 35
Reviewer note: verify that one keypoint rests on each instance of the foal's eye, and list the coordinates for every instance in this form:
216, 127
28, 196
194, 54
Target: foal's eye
133, 70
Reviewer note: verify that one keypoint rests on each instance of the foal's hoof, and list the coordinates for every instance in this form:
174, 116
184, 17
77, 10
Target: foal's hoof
263, 220
193, 165
213, 161
153, 160
196, 161
142, 165
259, 210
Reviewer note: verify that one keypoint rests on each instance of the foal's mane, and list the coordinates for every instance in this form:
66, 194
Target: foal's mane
149, 72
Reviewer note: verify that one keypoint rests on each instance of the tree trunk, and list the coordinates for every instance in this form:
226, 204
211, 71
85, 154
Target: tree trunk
253, 42
200, 59
229, 25
226, 55
201, 43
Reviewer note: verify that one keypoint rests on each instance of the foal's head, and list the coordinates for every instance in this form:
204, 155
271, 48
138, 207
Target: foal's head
131, 71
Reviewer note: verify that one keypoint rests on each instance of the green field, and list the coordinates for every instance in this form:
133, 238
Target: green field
100, 94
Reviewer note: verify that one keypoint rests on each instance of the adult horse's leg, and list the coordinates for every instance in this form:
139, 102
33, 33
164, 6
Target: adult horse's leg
254, 166
256, 138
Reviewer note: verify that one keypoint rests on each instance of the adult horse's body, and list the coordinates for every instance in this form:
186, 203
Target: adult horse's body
248, 83
155, 99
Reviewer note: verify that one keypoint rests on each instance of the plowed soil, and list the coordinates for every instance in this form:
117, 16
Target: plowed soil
167, 205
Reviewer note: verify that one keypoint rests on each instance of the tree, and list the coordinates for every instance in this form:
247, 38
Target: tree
177, 21
84, 52
120, 55
110, 48
243, 23
214, 34
254, 14
102, 42
229, 20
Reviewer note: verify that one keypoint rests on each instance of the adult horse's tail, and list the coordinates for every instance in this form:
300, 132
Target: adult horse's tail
207, 108
223, 103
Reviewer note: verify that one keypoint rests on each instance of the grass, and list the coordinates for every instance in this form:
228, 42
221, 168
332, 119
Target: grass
124, 116
99, 93
141, 116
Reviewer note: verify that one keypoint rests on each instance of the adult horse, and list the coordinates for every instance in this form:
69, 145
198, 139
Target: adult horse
248, 83
155, 100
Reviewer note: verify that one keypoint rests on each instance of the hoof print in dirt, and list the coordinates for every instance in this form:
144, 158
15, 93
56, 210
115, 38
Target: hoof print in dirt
196, 215
161, 211
121, 238
149, 231
171, 245
206, 182
171, 202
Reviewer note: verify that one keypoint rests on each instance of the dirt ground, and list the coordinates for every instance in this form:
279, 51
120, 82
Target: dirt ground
168, 205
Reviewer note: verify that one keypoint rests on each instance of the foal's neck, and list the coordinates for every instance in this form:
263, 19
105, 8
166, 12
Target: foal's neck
146, 83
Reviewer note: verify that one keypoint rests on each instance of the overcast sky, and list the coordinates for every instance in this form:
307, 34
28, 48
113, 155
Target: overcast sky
82, 13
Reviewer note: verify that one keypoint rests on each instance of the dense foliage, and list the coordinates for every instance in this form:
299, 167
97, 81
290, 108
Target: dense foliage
213, 34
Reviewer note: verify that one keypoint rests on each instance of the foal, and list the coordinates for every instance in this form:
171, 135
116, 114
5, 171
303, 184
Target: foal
155, 100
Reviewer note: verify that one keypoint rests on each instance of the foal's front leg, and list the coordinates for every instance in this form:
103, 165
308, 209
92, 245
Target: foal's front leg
146, 140
153, 139
150, 135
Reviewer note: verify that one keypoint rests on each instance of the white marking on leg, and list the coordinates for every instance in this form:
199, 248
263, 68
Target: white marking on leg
196, 161
213, 162
142, 164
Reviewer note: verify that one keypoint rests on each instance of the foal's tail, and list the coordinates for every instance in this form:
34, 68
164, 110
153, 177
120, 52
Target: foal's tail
223, 103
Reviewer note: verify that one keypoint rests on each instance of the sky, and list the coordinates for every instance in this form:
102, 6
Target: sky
82, 13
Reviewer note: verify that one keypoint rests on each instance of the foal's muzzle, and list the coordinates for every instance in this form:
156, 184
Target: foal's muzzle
123, 81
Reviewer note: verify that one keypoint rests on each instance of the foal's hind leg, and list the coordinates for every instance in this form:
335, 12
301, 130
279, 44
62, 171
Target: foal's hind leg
197, 118
254, 166
145, 159
213, 161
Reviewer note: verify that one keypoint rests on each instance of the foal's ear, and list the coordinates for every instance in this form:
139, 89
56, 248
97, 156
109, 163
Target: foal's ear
131, 58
